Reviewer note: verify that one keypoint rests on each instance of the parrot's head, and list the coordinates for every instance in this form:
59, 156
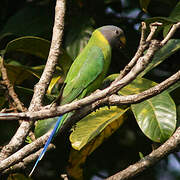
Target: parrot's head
114, 35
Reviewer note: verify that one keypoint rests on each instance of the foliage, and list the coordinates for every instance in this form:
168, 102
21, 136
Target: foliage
25, 35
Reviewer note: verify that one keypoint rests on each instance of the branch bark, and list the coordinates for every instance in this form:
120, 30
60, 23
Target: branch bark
112, 100
40, 88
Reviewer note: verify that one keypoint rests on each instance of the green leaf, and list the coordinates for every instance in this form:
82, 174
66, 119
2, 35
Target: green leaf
175, 15
43, 126
144, 5
93, 124
78, 35
156, 116
38, 47
31, 45
31, 20
167, 50
90, 133
17, 73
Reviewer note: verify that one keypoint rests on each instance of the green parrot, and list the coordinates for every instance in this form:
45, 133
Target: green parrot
87, 71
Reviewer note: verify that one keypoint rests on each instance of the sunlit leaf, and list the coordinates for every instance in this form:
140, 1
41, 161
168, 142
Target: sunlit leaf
93, 124
156, 116
90, 133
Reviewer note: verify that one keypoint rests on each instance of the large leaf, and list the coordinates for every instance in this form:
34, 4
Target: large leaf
93, 124
32, 20
31, 45
18, 73
90, 133
156, 116
175, 15
39, 48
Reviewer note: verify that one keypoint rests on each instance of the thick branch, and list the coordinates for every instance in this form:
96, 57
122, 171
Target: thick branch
42, 85
26, 161
23, 152
110, 100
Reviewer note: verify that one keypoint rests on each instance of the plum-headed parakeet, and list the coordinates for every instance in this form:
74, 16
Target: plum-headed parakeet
87, 71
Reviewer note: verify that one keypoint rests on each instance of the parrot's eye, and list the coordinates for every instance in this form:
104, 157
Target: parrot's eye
117, 32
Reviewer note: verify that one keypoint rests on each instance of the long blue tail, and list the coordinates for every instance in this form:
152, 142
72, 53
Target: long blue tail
47, 143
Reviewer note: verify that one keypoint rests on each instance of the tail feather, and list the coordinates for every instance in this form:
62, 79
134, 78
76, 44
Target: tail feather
57, 125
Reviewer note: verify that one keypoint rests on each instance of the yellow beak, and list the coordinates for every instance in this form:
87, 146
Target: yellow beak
123, 41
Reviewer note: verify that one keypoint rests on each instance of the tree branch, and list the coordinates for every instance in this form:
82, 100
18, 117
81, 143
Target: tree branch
171, 145
26, 161
23, 152
40, 88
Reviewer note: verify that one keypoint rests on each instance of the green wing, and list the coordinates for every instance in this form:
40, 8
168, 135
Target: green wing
88, 72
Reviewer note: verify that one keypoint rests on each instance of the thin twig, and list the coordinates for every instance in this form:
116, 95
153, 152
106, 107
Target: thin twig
14, 96
171, 33
142, 46
153, 28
